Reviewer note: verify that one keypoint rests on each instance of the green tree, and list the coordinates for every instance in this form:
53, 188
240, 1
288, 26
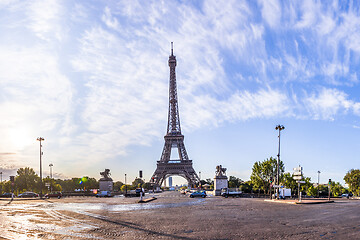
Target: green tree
147, 186
138, 182
69, 185
289, 182
336, 189
210, 182
124, 187
234, 182
311, 191
27, 180
91, 183
117, 185
352, 178
323, 190
305, 186
55, 187
7, 186
264, 172
246, 187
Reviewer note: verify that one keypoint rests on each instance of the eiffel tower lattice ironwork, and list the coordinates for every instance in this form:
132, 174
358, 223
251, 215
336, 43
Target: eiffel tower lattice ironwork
174, 139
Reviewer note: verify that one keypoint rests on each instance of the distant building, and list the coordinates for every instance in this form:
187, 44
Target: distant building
170, 181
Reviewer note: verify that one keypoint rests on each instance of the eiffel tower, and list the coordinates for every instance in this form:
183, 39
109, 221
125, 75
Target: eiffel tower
174, 139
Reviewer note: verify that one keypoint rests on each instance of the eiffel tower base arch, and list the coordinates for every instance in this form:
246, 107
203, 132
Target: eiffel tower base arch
175, 168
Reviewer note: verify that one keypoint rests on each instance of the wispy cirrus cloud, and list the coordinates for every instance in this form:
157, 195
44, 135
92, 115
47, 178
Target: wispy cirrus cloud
328, 103
205, 111
46, 19
271, 12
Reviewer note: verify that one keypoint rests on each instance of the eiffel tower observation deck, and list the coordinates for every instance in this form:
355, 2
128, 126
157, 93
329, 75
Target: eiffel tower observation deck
174, 139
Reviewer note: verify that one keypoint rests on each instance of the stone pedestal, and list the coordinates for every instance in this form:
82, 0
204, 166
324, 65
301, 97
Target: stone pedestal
106, 185
219, 183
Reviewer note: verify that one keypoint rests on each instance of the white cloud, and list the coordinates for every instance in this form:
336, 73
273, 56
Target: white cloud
271, 12
326, 25
126, 93
207, 111
46, 19
308, 14
108, 19
328, 103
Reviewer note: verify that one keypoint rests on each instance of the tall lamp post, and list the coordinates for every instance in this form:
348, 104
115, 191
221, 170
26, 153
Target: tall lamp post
51, 165
41, 153
125, 186
1, 182
278, 127
318, 184
200, 181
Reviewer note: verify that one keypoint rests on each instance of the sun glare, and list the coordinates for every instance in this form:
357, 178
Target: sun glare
20, 138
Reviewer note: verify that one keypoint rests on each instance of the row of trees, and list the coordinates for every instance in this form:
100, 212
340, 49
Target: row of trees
262, 177
27, 180
264, 174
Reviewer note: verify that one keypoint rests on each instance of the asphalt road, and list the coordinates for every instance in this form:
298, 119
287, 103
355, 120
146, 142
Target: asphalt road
175, 216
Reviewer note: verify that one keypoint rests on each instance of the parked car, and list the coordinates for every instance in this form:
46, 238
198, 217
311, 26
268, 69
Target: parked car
54, 195
104, 194
7, 195
198, 194
28, 195
182, 191
346, 195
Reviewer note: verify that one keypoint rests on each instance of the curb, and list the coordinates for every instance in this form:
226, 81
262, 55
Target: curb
331, 201
295, 202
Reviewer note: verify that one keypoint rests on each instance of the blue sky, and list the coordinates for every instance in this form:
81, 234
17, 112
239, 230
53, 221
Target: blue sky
92, 79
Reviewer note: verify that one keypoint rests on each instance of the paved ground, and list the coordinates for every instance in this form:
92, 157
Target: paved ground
175, 216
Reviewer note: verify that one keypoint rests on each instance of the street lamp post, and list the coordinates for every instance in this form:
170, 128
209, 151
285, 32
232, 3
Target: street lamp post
41, 153
200, 179
278, 127
125, 186
1, 182
318, 184
51, 165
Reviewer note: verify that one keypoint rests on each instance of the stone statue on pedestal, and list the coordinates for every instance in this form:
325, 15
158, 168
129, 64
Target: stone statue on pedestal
220, 171
106, 175
106, 182
220, 180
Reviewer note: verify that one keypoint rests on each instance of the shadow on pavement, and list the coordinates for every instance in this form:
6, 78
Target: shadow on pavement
10, 201
25, 199
130, 225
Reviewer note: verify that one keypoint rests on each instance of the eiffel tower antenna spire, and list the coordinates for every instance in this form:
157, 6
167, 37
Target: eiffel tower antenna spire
174, 139
173, 117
